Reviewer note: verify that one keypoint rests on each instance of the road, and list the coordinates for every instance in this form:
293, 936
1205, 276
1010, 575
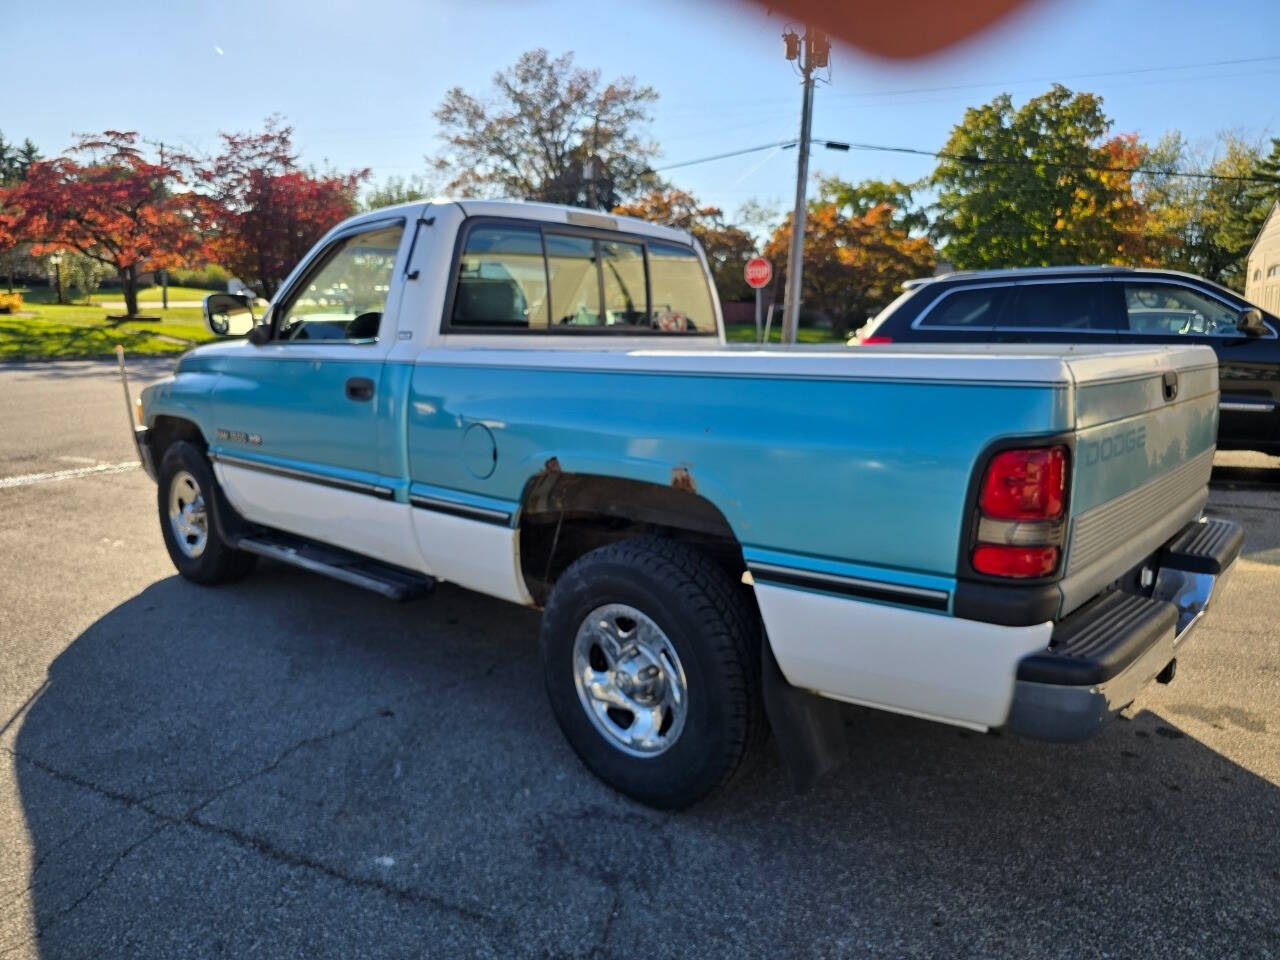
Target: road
290, 767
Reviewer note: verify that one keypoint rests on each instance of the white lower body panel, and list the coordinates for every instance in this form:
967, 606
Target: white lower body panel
377, 528
923, 664
473, 554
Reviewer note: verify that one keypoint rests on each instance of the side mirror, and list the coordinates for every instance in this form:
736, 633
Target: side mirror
228, 314
1250, 323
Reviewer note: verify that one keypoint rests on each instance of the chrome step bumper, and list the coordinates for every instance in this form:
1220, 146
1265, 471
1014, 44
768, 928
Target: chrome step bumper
1104, 654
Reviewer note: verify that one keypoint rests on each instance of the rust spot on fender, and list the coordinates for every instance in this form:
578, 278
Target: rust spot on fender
682, 479
551, 466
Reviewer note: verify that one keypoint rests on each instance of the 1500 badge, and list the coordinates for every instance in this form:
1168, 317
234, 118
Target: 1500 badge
238, 436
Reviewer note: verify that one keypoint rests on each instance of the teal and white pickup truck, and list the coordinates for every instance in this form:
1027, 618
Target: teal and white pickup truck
537, 403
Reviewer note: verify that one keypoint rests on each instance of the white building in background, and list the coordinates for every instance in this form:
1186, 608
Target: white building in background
1262, 282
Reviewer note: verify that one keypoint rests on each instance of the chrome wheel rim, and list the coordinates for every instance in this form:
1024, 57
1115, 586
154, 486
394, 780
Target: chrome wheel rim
630, 680
188, 518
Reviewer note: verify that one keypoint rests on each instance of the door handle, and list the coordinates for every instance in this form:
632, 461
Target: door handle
360, 388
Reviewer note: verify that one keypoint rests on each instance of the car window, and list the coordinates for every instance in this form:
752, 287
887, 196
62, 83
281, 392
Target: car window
976, 307
1063, 306
1166, 308
343, 297
681, 296
502, 279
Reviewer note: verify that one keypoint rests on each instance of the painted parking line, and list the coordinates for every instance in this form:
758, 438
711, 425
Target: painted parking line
26, 479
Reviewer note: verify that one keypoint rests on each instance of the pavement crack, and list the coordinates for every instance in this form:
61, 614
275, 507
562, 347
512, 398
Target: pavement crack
615, 907
285, 755
260, 845
97, 885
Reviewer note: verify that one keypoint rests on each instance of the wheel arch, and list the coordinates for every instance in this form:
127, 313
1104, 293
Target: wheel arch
166, 430
564, 515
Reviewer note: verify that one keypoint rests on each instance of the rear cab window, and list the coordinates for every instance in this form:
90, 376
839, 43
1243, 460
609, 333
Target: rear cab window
542, 277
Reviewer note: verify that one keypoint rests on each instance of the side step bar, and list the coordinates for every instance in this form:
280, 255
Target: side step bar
359, 571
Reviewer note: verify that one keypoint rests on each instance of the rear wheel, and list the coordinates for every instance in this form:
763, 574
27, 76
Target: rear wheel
650, 653
185, 490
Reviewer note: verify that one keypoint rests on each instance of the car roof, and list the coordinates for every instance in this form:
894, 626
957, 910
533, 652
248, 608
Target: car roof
1084, 270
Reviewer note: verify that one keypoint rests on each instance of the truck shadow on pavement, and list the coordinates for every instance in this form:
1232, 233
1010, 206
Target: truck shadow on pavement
290, 767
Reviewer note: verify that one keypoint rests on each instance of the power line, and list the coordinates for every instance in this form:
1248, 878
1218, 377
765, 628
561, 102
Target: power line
1074, 76
977, 160
732, 153
974, 159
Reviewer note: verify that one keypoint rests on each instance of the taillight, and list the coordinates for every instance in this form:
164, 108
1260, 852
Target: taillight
1025, 484
1021, 513
865, 341
1006, 561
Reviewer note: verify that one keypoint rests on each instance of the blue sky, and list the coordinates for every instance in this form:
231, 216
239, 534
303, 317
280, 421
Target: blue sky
360, 87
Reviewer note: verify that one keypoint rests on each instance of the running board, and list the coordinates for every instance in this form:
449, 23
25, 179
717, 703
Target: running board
359, 571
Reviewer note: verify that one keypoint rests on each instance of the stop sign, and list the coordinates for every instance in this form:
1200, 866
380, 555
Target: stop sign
758, 272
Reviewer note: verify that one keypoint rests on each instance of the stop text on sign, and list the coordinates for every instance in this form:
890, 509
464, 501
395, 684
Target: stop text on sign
758, 272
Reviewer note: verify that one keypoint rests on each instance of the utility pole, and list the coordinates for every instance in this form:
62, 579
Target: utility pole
811, 53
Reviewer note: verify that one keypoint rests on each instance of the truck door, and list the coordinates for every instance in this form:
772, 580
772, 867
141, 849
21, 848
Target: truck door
304, 436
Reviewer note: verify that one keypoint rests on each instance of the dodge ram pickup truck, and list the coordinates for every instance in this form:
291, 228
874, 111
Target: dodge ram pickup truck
538, 403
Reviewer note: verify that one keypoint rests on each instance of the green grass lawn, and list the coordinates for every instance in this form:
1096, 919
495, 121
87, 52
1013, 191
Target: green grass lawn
746, 333
49, 331
147, 295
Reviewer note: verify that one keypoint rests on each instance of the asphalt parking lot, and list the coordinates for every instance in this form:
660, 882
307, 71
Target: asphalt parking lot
293, 767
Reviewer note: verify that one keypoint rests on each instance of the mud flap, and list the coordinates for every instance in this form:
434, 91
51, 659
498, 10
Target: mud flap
809, 729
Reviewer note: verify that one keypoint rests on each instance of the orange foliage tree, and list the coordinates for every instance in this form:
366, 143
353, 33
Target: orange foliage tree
114, 206
261, 212
727, 247
855, 262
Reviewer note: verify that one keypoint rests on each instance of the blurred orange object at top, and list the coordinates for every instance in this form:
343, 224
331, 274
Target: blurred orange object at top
899, 28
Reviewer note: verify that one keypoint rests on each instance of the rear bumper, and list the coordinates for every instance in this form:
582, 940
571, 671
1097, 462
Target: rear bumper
1104, 654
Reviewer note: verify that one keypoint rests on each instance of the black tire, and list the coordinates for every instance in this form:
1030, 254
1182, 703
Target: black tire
218, 562
715, 631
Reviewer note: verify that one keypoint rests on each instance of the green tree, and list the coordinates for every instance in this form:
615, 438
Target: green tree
1199, 224
1038, 185
858, 199
16, 160
1257, 199
550, 132
395, 190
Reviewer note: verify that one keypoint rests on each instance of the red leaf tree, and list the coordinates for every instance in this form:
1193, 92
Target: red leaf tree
262, 212
114, 206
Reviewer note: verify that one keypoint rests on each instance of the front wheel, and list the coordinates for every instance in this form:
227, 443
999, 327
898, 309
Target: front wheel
185, 489
651, 659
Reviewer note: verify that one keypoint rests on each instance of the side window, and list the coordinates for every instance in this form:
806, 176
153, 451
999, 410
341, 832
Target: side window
961, 308
502, 279
1164, 309
1064, 306
575, 283
681, 298
343, 297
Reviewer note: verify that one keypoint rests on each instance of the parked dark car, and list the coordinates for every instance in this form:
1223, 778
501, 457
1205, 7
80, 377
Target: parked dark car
1097, 305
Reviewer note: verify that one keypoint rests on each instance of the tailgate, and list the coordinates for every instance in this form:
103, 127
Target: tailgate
1146, 424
